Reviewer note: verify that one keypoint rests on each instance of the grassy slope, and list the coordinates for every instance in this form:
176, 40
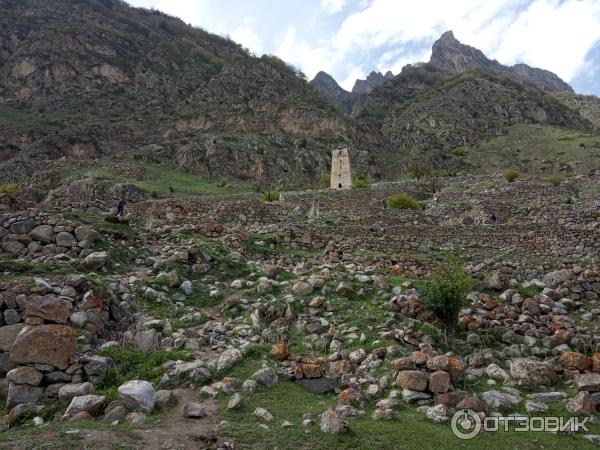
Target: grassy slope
538, 148
408, 430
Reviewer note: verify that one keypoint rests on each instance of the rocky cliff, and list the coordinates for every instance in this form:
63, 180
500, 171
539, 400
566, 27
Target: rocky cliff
450, 55
96, 79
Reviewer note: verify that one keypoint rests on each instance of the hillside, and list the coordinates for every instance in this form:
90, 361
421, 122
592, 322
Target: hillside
97, 79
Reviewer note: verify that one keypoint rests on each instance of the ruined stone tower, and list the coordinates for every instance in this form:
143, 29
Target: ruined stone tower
341, 175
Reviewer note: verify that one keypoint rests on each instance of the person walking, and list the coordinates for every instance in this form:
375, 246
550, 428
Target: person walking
493, 219
121, 208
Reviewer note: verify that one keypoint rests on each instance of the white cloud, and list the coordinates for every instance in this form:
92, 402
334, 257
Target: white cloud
355, 73
310, 59
332, 6
553, 35
246, 36
195, 12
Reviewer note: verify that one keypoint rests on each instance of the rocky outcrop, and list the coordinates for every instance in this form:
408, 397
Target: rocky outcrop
374, 79
333, 92
450, 55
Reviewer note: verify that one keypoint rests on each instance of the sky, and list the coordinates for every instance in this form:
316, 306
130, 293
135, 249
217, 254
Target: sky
350, 38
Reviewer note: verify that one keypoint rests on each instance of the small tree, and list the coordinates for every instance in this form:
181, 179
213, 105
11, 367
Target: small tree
267, 194
444, 295
510, 175
419, 168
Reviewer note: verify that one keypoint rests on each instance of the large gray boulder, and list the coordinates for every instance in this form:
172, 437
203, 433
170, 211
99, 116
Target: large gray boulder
147, 341
43, 234
23, 393
91, 404
65, 239
138, 395
96, 260
23, 226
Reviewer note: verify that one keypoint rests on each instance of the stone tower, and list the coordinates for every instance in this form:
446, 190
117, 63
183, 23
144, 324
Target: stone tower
341, 175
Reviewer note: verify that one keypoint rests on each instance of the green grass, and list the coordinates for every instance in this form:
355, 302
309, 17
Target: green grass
131, 364
538, 148
160, 177
408, 430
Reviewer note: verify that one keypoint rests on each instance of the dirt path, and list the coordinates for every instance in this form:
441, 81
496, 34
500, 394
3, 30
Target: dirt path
171, 432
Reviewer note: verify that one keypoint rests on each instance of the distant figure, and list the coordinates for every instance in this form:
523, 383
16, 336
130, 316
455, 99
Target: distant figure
171, 190
493, 219
598, 205
120, 208
568, 200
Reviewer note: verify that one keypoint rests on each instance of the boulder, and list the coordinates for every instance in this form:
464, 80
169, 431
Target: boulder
530, 372
266, 377
68, 391
138, 395
332, 423
302, 288
317, 385
49, 308
84, 233
96, 260
193, 410
23, 226
439, 382
64, 239
344, 289
588, 382
43, 234
553, 279
499, 401
23, 393
575, 361
413, 380
44, 344
91, 404
280, 352
581, 404
147, 341
12, 247
25, 375
228, 359
8, 334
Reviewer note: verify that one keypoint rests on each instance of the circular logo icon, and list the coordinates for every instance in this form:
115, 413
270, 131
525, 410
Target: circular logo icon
465, 424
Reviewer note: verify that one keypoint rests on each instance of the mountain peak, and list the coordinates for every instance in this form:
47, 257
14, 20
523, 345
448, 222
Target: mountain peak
448, 36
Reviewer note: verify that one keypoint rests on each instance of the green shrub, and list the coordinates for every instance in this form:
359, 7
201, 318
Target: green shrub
360, 182
491, 185
444, 295
270, 196
510, 175
401, 201
556, 179
8, 187
458, 151
134, 365
325, 180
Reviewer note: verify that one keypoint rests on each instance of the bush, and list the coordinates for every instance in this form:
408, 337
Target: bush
444, 295
8, 187
510, 175
556, 179
270, 196
360, 182
459, 151
401, 201
325, 180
